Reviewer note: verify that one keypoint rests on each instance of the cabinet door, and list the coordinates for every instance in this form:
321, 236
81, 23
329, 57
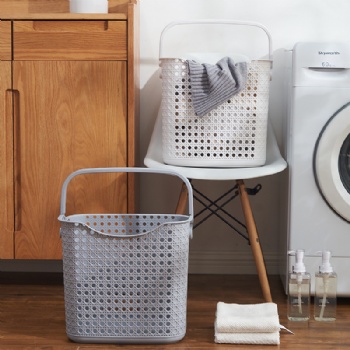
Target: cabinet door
71, 115
6, 163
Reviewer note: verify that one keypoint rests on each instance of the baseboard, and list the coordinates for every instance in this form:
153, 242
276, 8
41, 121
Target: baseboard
231, 263
37, 278
200, 262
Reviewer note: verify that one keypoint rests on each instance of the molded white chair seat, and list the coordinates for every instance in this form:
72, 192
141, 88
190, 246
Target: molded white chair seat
274, 161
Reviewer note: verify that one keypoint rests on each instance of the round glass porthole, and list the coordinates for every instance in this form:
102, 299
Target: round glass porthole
331, 162
344, 163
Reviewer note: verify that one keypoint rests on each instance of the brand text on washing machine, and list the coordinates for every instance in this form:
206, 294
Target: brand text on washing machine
328, 53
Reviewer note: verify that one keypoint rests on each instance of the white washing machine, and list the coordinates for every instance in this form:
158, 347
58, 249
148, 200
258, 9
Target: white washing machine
318, 155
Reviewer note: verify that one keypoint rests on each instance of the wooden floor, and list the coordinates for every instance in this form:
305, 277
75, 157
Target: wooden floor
32, 316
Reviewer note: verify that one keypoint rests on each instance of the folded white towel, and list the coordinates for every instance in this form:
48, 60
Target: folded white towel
248, 338
252, 318
247, 324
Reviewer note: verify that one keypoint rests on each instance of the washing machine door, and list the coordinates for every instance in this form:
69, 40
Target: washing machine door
332, 162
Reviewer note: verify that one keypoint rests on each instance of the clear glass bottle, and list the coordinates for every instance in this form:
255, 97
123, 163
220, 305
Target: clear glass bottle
325, 301
299, 290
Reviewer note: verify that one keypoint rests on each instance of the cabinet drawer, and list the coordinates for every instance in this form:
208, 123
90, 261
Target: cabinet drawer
5, 40
70, 40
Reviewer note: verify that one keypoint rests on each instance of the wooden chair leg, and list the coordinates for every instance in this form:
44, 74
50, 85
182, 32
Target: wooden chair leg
254, 242
182, 202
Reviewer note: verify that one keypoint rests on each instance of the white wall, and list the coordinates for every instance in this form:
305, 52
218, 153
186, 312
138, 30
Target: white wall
214, 249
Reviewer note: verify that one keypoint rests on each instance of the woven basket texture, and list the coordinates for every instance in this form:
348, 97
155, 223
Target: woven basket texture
125, 277
231, 135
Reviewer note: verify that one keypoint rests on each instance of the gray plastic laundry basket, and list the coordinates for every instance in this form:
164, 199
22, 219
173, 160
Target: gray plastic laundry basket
125, 275
233, 134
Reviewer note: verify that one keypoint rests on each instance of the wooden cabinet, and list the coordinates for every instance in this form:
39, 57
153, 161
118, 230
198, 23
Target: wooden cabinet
69, 101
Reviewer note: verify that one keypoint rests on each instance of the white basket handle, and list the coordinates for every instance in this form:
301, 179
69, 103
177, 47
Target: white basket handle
214, 21
123, 170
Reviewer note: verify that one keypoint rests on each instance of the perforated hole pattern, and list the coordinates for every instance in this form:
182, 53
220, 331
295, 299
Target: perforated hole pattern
125, 288
233, 134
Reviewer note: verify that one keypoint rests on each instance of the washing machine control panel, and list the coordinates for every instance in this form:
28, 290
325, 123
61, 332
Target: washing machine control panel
318, 63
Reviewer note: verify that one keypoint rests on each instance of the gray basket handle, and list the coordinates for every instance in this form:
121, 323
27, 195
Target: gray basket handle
214, 21
124, 170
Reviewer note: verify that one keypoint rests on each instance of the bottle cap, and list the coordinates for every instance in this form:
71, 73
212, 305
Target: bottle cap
326, 266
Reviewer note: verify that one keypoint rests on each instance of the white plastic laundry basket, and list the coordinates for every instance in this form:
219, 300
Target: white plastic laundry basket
231, 135
125, 275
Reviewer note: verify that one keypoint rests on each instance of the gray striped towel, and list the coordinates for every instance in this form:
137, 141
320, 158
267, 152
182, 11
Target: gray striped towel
213, 84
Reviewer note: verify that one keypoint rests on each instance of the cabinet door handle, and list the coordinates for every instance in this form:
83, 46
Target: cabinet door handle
17, 160
9, 159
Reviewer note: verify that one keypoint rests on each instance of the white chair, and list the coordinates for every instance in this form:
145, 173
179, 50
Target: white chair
274, 164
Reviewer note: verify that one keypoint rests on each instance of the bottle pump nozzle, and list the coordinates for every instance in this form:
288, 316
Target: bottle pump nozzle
299, 260
326, 267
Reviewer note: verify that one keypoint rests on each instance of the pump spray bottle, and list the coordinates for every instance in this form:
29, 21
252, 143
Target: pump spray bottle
325, 290
299, 289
